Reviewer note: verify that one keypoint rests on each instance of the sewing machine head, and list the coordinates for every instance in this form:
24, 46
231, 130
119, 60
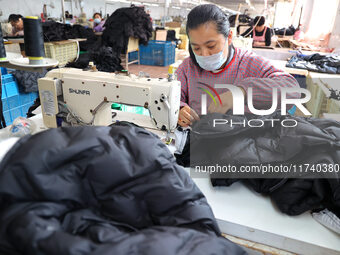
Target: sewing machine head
84, 97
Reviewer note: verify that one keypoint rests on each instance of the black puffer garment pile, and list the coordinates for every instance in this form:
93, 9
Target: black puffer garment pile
122, 24
96, 190
125, 23
104, 58
54, 31
285, 31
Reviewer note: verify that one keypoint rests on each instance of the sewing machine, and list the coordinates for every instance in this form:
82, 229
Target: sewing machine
85, 97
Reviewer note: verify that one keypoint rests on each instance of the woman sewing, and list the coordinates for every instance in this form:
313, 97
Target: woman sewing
98, 22
261, 34
17, 23
214, 60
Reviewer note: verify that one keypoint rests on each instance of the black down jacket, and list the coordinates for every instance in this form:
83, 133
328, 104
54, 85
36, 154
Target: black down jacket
102, 190
312, 141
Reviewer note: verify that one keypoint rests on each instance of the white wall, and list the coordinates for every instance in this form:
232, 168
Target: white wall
35, 7
284, 16
334, 41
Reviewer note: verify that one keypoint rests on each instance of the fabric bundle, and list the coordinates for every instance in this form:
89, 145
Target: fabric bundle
124, 23
103, 57
119, 27
54, 31
28, 81
285, 31
96, 190
242, 18
106, 60
316, 63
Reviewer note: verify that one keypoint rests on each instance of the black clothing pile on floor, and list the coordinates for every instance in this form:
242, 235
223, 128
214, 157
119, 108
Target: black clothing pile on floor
98, 191
54, 31
124, 23
312, 141
285, 31
316, 63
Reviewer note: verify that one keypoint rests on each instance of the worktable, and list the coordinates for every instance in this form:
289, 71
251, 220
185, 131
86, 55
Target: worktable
15, 40
281, 64
248, 215
279, 56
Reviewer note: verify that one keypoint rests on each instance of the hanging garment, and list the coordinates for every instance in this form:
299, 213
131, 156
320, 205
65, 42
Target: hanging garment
96, 190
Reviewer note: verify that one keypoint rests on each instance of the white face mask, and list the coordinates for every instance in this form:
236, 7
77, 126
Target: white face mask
97, 20
212, 62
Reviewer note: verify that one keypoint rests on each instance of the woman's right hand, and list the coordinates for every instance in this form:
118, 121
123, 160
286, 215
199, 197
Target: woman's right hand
187, 116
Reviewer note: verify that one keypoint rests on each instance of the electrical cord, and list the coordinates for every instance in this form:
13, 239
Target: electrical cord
75, 117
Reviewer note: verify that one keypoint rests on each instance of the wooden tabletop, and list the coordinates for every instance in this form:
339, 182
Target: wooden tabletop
281, 64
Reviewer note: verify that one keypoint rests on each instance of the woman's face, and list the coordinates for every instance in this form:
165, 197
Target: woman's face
19, 24
97, 16
206, 41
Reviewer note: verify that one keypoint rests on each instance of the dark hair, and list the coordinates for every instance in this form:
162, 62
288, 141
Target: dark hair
203, 14
14, 17
259, 19
97, 13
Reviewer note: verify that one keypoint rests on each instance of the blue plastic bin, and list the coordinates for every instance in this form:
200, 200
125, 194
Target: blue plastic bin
15, 104
7, 117
157, 53
133, 56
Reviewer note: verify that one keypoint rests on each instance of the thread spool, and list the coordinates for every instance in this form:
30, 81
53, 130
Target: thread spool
34, 40
2, 46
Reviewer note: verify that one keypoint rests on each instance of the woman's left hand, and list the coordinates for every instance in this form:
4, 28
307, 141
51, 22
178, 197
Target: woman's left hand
227, 103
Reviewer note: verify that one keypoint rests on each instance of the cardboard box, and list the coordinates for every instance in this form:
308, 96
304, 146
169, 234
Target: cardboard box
161, 35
